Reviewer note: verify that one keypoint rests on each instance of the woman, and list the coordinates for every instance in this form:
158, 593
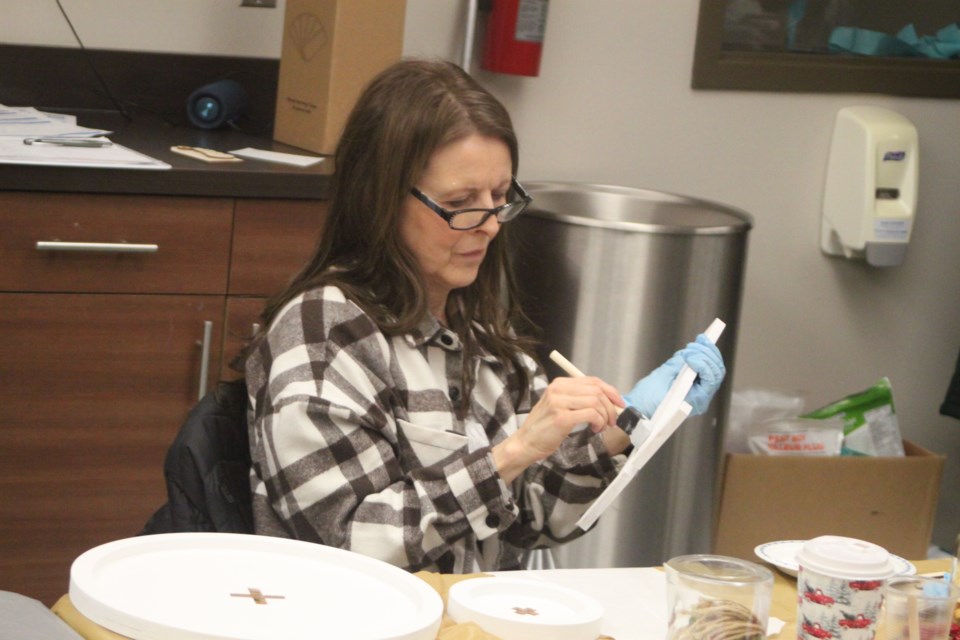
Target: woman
395, 410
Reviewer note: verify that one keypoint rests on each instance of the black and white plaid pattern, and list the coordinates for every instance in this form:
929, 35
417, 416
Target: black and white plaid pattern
356, 444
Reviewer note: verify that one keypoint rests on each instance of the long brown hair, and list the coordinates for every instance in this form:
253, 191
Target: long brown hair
407, 113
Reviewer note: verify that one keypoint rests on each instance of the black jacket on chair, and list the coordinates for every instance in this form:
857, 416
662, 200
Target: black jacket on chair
207, 468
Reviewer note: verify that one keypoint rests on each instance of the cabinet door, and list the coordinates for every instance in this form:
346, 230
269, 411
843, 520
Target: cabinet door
95, 388
241, 323
272, 240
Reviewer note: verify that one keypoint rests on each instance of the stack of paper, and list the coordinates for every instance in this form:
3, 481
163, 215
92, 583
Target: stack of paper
19, 124
27, 121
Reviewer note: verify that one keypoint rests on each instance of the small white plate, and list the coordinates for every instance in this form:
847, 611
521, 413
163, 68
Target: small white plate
783, 555
524, 609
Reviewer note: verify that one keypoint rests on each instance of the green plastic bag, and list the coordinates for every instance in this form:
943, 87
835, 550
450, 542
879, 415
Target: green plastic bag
870, 426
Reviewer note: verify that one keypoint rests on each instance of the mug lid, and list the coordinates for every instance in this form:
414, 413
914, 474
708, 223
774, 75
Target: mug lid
843, 557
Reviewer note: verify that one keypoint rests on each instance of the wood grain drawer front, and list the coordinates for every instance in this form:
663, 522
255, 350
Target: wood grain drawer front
272, 240
114, 244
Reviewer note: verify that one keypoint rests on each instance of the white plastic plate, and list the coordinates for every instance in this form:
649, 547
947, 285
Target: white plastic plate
783, 555
222, 586
523, 609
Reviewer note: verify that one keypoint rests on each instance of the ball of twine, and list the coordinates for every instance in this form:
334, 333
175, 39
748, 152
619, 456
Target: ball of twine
721, 620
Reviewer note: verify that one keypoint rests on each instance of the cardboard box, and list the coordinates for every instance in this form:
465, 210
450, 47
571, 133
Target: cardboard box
890, 501
331, 50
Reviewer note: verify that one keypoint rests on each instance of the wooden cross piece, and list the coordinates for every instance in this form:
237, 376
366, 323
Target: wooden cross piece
256, 595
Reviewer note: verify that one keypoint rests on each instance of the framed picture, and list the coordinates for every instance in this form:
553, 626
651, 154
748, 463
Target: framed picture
855, 46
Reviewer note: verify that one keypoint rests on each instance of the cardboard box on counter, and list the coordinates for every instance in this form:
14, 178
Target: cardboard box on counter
890, 501
331, 49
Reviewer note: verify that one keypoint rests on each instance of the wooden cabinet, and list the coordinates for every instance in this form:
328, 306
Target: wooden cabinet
94, 387
240, 323
114, 244
272, 240
102, 353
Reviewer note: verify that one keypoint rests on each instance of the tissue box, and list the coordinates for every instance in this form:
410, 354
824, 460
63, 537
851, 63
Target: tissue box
890, 501
331, 49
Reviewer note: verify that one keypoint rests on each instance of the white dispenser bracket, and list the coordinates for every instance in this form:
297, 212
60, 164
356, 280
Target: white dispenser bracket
870, 197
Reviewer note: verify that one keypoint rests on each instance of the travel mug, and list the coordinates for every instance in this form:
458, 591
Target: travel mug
839, 587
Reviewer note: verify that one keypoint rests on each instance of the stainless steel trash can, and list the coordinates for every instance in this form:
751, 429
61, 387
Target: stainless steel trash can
618, 279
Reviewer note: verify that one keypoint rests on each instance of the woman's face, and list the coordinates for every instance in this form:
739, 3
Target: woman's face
473, 172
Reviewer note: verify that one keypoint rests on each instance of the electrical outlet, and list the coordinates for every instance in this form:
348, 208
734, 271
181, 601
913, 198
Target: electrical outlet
266, 4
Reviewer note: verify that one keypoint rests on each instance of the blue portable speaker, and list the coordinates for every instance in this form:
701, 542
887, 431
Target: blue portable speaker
216, 104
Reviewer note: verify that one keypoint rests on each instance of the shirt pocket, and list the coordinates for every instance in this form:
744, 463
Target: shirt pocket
429, 445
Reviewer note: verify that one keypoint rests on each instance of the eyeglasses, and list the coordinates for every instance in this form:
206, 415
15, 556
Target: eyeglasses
463, 219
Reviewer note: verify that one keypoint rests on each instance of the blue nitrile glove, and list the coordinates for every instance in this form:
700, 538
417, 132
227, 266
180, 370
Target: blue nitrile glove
703, 357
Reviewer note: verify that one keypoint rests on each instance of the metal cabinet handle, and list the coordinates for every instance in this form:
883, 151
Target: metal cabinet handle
102, 247
204, 358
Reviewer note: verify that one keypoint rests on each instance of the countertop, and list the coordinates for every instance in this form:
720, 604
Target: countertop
187, 177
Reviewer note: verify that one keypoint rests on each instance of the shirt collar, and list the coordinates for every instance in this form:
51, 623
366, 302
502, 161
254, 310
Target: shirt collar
430, 331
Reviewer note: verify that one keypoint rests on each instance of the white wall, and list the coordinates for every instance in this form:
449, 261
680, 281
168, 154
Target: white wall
613, 105
215, 27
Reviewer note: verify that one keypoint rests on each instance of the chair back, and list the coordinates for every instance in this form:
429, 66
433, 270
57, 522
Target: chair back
207, 468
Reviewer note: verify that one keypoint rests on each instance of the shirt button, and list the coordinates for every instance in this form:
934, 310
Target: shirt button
446, 339
454, 394
492, 521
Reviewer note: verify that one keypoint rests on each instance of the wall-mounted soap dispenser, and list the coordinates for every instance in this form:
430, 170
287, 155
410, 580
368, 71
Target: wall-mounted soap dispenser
870, 198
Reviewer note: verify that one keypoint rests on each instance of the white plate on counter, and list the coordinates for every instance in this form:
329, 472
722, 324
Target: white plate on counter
783, 555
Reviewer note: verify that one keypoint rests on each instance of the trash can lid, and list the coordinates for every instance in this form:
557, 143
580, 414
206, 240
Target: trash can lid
631, 209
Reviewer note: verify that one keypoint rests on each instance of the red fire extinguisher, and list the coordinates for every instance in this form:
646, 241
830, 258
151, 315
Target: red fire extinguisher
514, 39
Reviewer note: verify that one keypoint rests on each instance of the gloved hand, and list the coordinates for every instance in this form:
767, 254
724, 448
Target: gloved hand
703, 357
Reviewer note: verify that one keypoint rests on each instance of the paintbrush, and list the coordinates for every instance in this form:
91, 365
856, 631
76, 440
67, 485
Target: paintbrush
627, 418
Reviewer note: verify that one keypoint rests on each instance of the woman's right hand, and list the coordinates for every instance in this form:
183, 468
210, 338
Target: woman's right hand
566, 403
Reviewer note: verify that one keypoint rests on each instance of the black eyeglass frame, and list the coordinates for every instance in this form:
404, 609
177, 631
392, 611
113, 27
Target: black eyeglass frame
448, 215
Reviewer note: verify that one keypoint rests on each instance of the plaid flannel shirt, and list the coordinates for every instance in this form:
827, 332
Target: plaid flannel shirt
356, 444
